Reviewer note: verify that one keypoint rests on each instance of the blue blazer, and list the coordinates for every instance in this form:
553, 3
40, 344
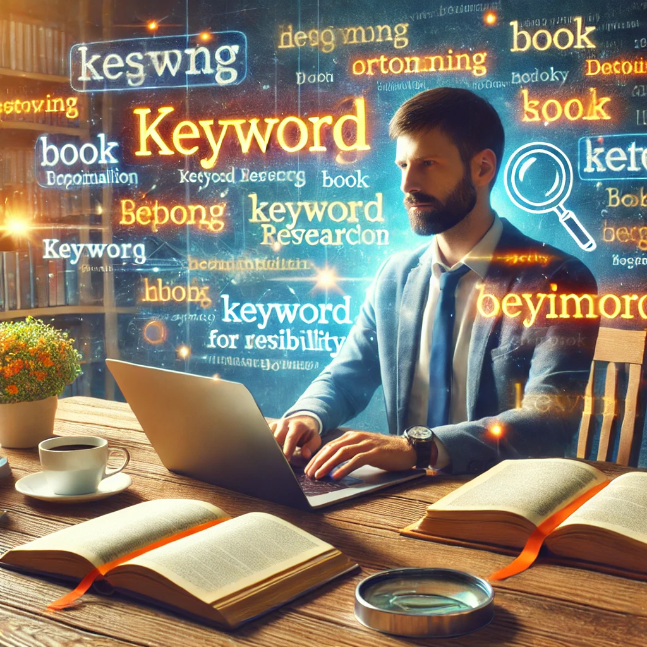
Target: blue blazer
548, 362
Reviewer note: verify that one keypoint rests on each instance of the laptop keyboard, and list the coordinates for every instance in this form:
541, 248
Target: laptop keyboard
312, 487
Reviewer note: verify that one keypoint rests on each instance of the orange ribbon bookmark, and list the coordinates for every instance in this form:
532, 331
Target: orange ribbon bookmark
68, 599
531, 549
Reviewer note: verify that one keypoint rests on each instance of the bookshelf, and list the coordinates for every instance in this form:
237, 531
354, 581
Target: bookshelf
44, 128
35, 37
39, 313
34, 76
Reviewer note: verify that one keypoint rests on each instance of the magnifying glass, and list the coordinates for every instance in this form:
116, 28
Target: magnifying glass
538, 179
437, 602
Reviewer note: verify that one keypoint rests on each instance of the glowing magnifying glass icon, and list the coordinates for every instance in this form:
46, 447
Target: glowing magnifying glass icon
538, 179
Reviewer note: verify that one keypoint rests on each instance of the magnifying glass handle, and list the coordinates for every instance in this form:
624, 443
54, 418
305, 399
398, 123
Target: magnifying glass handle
577, 231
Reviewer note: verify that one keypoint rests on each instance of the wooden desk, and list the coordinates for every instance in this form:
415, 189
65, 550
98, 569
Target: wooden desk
547, 606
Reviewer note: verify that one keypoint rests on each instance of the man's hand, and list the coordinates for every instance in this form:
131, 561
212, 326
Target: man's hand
359, 448
299, 431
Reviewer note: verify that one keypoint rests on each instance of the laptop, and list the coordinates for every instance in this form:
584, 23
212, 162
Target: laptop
212, 430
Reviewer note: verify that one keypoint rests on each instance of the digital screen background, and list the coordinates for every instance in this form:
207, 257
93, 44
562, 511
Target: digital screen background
258, 283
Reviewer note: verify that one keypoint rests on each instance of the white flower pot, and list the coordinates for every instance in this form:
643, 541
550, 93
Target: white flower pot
25, 424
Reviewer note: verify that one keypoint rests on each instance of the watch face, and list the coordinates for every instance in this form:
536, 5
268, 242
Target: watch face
419, 433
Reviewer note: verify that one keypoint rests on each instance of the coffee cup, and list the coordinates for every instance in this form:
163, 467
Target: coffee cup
77, 464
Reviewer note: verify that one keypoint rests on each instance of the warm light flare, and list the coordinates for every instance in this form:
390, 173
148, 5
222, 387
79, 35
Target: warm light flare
490, 18
326, 279
497, 431
16, 226
152, 25
205, 36
184, 352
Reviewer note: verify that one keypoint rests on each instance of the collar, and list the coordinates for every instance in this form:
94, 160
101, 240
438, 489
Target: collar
478, 258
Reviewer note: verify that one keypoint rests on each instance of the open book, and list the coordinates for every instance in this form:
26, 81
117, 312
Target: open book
503, 506
227, 574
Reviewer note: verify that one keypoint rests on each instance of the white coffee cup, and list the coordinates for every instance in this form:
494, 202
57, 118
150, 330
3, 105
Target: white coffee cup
76, 470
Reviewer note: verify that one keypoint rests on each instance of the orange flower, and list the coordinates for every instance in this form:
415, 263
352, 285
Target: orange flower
13, 389
40, 375
47, 361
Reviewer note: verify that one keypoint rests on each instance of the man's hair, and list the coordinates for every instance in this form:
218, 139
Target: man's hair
467, 119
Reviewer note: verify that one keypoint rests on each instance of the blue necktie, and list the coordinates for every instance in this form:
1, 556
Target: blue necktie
442, 348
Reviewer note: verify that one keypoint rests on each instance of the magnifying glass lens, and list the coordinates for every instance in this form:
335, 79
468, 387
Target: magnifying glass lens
424, 596
539, 178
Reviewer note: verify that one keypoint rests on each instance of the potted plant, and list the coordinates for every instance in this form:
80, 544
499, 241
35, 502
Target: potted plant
37, 362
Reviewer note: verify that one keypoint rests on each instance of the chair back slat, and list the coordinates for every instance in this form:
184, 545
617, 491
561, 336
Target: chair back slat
609, 414
629, 419
587, 415
614, 346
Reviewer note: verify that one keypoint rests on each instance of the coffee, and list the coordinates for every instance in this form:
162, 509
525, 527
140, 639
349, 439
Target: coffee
71, 471
69, 448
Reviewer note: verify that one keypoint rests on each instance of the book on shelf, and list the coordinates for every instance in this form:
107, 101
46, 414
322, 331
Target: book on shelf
52, 283
10, 284
41, 279
71, 272
502, 507
21, 195
25, 279
226, 574
29, 45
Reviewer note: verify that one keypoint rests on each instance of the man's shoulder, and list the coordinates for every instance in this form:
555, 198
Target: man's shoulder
528, 258
401, 263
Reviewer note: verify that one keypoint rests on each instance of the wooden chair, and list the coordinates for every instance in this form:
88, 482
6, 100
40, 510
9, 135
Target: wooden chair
615, 347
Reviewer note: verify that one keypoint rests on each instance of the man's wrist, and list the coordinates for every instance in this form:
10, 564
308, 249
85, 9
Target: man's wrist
310, 414
412, 455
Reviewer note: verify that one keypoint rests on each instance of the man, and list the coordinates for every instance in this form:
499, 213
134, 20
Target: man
488, 385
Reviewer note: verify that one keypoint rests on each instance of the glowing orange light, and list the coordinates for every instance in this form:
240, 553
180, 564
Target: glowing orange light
496, 430
326, 279
155, 332
152, 25
276, 246
16, 226
490, 18
216, 376
184, 352
205, 36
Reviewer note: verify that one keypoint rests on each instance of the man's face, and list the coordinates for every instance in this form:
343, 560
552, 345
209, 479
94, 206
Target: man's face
438, 188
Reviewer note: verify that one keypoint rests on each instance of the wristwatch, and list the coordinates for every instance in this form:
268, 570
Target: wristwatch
422, 440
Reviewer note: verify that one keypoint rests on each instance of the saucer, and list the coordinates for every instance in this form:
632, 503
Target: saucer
36, 486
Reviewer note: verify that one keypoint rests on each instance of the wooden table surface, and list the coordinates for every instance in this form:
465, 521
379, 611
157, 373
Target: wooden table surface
546, 606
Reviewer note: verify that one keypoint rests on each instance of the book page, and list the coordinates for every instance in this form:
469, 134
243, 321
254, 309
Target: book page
621, 507
113, 535
532, 488
229, 557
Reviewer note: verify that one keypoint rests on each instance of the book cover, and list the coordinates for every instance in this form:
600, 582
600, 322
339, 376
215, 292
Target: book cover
71, 276
41, 279
52, 287
60, 282
11, 297
26, 287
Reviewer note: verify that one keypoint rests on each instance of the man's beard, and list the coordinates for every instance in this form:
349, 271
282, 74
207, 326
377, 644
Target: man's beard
441, 216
